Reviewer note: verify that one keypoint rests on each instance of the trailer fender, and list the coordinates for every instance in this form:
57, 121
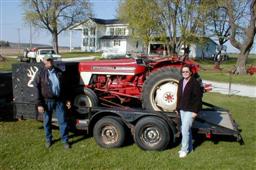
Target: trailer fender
97, 116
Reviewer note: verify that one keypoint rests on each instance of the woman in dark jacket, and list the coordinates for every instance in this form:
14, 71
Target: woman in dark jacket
188, 106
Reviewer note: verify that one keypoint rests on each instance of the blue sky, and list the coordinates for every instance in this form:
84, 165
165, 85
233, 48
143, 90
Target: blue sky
11, 20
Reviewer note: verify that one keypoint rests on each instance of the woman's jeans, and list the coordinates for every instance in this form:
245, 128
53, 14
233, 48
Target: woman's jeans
186, 124
58, 106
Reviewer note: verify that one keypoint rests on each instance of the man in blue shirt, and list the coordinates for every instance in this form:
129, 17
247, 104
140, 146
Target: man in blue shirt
51, 99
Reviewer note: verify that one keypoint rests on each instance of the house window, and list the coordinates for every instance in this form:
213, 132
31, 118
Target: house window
92, 42
112, 31
116, 42
118, 31
85, 42
123, 31
85, 31
92, 31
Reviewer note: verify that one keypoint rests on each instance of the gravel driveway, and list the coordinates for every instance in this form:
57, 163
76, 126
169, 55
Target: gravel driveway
233, 89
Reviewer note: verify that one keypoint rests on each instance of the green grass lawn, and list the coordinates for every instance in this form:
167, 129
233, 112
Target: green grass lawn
22, 147
79, 54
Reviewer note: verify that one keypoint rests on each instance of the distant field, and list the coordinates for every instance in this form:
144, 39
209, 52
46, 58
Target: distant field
17, 52
10, 51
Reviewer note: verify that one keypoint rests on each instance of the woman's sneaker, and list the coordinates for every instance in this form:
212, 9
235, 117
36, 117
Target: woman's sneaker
182, 154
48, 144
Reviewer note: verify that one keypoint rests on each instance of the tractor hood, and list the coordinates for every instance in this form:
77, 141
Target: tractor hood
113, 67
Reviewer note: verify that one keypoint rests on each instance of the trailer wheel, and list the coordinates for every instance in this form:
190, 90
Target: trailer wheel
152, 133
109, 132
85, 98
159, 91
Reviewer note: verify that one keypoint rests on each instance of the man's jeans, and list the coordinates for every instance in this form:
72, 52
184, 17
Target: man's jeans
60, 114
186, 124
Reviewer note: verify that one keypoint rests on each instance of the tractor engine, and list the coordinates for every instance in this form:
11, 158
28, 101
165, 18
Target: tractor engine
122, 79
118, 84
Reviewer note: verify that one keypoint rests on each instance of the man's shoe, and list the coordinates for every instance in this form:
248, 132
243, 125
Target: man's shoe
66, 145
48, 144
182, 154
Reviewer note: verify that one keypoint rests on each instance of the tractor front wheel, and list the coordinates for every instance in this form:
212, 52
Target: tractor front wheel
85, 98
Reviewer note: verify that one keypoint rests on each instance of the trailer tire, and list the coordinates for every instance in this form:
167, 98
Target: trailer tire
152, 133
85, 98
159, 92
109, 132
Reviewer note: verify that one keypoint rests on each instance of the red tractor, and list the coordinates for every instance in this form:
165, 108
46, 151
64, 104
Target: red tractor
151, 84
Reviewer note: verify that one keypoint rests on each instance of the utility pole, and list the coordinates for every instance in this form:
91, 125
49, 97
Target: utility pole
19, 39
30, 35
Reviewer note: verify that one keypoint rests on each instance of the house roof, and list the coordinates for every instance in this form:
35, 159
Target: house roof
108, 37
106, 21
98, 21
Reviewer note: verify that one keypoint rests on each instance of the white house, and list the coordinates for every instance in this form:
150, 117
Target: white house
100, 35
113, 36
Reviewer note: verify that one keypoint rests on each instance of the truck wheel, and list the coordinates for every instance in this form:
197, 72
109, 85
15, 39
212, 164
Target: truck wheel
159, 92
109, 132
152, 133
85, 98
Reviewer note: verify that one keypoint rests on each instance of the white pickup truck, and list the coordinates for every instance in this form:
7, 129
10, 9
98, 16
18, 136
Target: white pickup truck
37, 54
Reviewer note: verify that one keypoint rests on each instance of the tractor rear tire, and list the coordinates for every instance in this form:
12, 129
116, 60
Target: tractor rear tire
159, 92
109, 132
152, 133
85, 98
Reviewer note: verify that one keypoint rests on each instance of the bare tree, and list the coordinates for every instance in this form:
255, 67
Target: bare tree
218, 24
167, 16
55, 16
242, 21
191, 20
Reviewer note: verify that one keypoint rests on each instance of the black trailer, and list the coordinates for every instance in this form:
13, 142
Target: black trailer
112, 126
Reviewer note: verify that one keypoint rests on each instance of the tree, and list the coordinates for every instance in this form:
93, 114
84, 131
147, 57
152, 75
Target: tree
221, 27
173, 21
191, 22
167, 12
141, 16
55, 16
242, 21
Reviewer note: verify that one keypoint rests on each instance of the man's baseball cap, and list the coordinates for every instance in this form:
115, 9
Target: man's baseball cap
48, 57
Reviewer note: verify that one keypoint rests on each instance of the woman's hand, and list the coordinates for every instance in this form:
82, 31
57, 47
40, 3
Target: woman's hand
194, 115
